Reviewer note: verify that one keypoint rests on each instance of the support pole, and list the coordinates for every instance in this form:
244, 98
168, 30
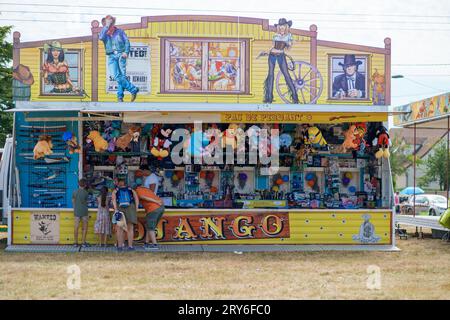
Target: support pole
414, 173
448, 160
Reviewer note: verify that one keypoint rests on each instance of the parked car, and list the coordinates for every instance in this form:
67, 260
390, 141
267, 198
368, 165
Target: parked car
432, 204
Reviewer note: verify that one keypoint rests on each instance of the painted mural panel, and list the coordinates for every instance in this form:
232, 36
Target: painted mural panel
214, 59
294, 78
204, 65
428, 108
348, 75
61, 70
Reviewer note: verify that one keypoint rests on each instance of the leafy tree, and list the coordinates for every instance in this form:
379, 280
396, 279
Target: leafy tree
401, 158
436, 167
6, 102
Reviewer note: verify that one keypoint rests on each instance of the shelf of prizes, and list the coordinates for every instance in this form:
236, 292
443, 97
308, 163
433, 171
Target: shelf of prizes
221, 183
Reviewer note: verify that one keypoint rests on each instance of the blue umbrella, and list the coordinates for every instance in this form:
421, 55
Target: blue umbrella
411, 190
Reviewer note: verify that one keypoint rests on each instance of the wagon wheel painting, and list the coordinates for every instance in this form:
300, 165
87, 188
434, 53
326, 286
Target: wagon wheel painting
307, 81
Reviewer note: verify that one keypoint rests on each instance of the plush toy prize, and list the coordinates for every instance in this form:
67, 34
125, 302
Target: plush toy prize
100, 144
161, 143
382, 143
71, 140
43, 147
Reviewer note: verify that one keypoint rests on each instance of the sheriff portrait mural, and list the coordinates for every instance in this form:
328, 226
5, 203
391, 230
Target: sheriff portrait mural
349, 77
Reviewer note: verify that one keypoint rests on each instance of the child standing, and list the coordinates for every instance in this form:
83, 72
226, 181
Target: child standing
80, 210
102, 225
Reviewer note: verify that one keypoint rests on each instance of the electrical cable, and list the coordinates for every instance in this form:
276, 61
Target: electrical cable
235, 11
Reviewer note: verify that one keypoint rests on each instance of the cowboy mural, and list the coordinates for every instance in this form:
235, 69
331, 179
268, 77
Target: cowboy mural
117, 48
282, 41
55, 70
351, 84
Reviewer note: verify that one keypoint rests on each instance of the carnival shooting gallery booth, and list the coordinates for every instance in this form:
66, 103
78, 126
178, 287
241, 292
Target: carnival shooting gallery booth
259, 132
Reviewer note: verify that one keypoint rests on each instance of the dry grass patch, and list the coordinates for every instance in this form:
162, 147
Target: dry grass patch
419, 271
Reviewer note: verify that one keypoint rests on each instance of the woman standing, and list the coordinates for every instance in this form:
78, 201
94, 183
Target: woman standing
56, 70
282, 41
102, 225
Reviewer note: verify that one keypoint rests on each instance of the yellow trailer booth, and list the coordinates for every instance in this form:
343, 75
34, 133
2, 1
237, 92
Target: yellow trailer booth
255, 132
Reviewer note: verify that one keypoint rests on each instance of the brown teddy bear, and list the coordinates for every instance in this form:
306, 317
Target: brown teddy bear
43, 147
100, 144
132, 135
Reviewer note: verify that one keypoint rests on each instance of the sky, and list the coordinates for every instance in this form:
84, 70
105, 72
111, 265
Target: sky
419, 30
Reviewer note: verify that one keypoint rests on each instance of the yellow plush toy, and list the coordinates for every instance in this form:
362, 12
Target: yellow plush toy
100, 144
43, 147
315, 137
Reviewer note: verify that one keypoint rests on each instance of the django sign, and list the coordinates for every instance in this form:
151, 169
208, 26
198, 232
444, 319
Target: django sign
223, 227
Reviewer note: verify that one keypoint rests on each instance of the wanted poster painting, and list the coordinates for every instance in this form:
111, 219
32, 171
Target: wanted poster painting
44, 228
137, 69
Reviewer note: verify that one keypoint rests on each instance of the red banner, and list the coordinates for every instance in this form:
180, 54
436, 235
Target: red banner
191, 227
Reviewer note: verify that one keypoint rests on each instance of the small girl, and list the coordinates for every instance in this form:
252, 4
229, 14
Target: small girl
103, 223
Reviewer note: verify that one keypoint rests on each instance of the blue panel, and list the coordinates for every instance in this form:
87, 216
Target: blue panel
37, 191
262, 182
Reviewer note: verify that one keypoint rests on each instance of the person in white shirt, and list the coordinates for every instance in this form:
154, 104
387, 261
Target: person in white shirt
152, 182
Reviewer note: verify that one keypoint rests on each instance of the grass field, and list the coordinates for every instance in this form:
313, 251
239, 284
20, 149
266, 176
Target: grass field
419, 271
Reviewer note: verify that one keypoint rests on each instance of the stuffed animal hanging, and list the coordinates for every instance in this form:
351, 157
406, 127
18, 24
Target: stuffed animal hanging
100, 144
161, 143
349, 139
383, 142
71, 140
229, 137
132, 135
315, 138
360, 132
43, 147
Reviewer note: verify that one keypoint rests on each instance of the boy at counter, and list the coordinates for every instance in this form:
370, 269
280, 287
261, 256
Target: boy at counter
154, 210
80, 210
126, 200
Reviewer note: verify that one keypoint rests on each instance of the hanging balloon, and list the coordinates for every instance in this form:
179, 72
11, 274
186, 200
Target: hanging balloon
180, 174
175, 177
202, 174
285, 178
352, 189
213, 189
242, 176
275, 188
169, 174
67, 136
279, 181
345, 181
348, 175
311, 183
210, 175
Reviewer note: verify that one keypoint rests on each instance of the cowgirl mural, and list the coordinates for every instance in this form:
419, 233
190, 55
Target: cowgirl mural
282, 41
55, 70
